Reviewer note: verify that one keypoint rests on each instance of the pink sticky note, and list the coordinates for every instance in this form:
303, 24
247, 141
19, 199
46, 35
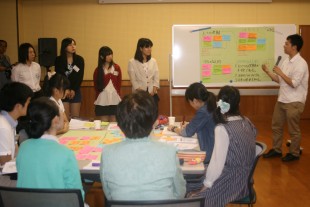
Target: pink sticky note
97, 149
206, 73
63, 141
207, 38
84, 151
91, 157
243, 35
81, 156
206, 66
226, 70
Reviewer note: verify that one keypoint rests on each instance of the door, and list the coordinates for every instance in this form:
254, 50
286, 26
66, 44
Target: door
304, 31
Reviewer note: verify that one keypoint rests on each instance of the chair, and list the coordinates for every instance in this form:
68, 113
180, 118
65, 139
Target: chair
24, 197
251, 198
186, 202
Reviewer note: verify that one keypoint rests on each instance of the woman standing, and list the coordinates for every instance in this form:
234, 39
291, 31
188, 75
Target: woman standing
107, 82
71, 65
143, 69
27, 71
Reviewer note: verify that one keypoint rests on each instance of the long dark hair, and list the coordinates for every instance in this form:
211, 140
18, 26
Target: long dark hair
40, 114
102, 55
231, 95
198, 91
64, 44
143, 42
58, 81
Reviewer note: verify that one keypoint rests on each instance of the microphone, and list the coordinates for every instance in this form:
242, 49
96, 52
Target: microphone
278, 60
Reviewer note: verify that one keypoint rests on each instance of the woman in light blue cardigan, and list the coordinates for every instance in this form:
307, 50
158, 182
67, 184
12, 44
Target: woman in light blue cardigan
140, 168
41, 161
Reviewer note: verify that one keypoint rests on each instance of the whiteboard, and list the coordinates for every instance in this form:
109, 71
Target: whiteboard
219, 55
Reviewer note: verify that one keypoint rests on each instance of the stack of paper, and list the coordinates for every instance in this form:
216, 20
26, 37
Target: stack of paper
191, 155
78, 124
181, 143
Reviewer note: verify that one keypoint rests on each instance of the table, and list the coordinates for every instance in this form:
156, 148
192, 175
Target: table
87, 145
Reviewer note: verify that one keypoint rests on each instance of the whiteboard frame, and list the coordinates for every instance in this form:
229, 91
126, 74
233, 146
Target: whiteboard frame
194, 59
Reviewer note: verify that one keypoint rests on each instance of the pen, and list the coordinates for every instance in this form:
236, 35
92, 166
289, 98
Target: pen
201, 29
183, 122
95, 164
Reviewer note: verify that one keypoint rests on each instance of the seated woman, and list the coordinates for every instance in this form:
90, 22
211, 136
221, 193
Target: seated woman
203, 124
41, 161
55, 88
233, 154
140, 168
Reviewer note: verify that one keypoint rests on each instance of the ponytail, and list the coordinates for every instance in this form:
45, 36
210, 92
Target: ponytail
228, 95
198, 91
211, 102
40, 114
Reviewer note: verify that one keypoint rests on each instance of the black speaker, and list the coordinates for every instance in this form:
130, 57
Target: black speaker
47, 51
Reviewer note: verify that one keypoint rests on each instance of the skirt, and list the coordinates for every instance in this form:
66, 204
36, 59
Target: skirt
105, 110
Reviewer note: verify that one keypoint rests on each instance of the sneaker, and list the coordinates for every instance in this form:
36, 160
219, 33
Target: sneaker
289, 157
272, 153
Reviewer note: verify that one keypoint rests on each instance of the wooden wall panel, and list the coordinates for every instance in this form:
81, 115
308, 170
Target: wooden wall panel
254, 107
304, 31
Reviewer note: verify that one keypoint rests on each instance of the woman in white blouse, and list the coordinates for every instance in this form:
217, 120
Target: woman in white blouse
143, 69
27, 71
233, 154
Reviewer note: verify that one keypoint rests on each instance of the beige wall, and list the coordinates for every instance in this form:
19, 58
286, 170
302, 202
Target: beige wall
119, 26
8, 29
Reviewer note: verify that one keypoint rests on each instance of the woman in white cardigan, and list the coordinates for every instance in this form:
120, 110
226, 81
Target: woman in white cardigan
143, 69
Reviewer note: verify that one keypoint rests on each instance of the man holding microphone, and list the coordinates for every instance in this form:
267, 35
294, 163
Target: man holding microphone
292, 77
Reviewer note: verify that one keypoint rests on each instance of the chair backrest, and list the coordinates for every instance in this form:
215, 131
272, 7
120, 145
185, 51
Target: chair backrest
260, 150
186, 202
21, 197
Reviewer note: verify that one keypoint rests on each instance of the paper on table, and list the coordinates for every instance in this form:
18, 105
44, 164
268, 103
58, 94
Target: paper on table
185, 146
78, 124
167, 132
181, 143
9, 167
178, 139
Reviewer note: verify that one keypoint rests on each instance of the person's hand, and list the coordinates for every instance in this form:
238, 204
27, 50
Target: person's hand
67, 93
196, 193
72, 94
277, 70
265, 69
170, 127
183, 125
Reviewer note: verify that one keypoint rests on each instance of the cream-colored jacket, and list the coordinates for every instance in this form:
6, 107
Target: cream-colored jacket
141, 77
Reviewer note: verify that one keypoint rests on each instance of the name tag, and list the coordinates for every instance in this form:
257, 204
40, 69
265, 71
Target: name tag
115, 73
76, 68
